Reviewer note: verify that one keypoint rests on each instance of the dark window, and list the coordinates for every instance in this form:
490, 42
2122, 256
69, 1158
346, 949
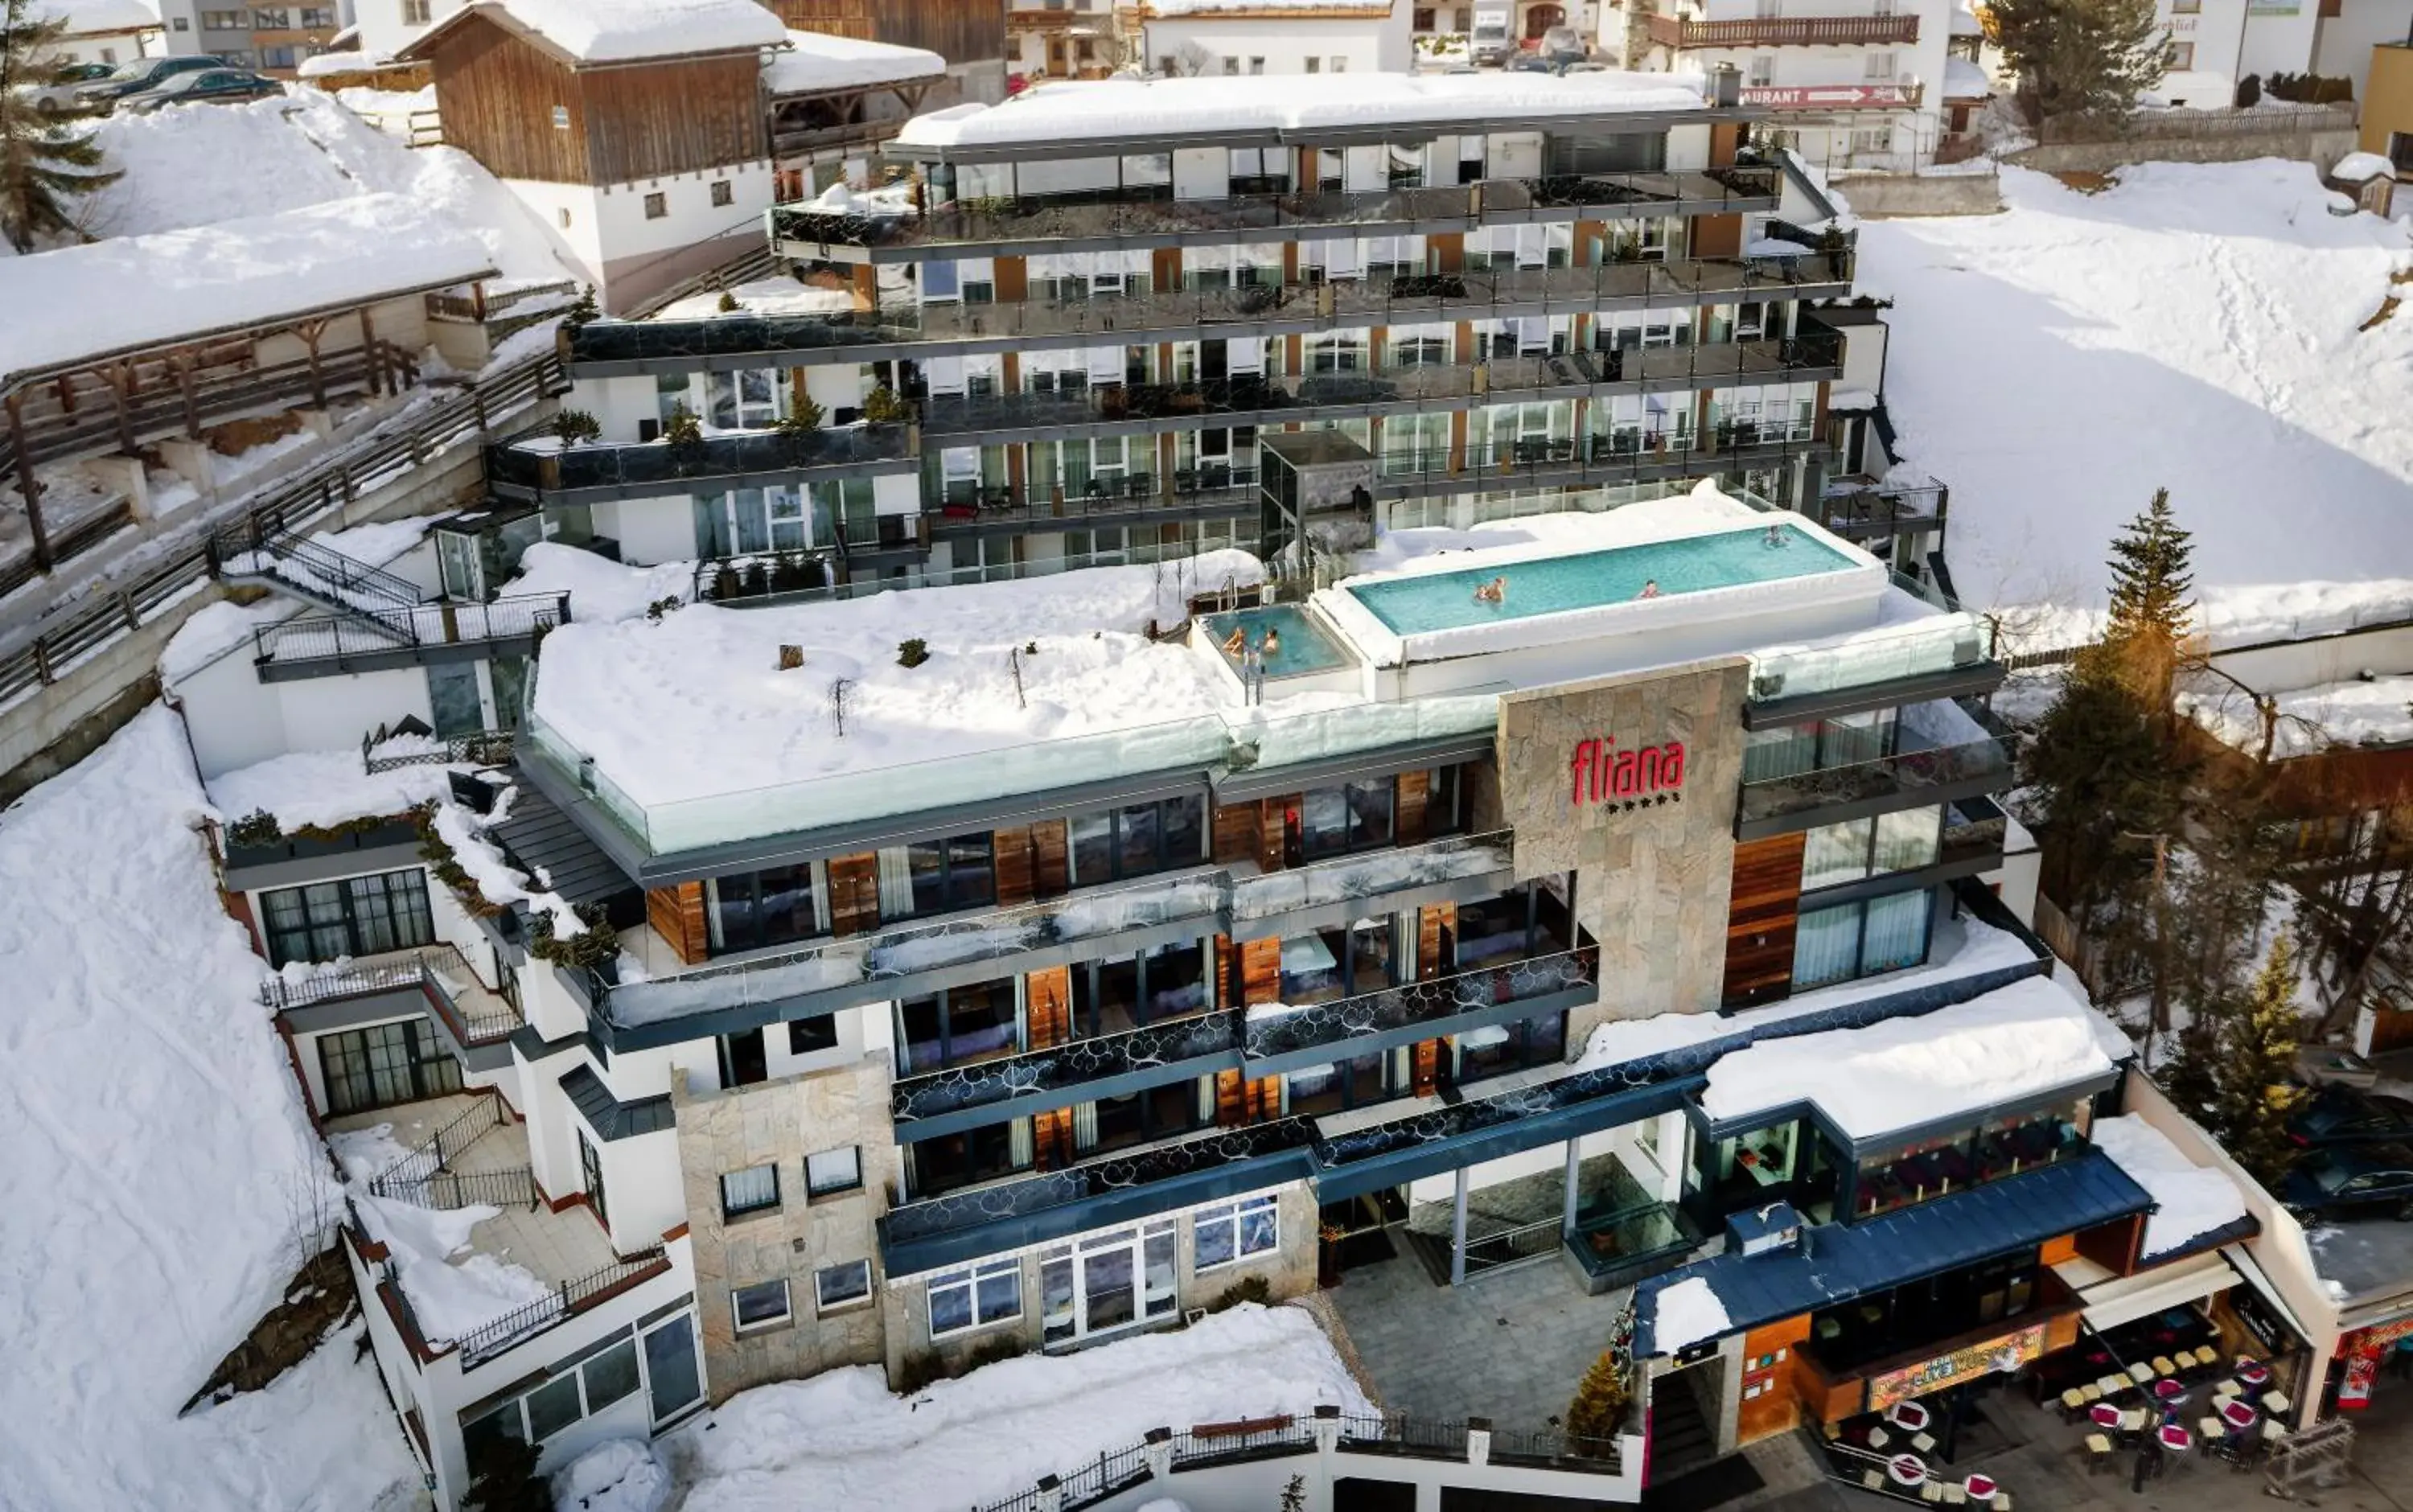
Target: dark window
957, 873
961, 1024
806, 1035
657, 206
384, 1064
1122, 992
1335, 821
1137, 840
358, 916
753, 910
721, 193
958, 1160
670, 1366
742, 1060
590, 1164
1156, 1113
1341, 1084
1497, 1049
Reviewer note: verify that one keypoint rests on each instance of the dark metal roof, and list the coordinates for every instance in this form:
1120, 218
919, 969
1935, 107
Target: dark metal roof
539, 835
1838, 1262
607, 1115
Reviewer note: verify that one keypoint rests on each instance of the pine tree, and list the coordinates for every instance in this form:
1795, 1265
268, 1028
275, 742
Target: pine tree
2079, 57
45, 163
2256, 1072
2152, 619
1599, 1408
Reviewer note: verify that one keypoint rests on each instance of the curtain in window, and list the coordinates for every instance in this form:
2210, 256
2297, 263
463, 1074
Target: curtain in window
895, 883
1896, 932
1105, 365
1085, 1125
1018, 1142
1785, 752
743, 1191
306, 924
1825, 946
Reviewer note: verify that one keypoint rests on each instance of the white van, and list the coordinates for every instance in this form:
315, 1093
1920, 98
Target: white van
1491, 43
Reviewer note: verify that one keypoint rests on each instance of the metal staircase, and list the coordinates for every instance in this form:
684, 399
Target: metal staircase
368, 596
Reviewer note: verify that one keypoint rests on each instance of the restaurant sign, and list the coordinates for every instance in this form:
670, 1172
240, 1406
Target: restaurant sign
1602, 774
1830, 96
2005, 1353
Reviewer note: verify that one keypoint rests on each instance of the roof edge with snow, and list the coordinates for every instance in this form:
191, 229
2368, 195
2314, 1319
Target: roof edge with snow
499, 13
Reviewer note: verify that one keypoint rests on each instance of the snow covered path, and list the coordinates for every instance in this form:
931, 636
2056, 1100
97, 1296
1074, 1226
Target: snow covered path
2193, 327
155, 1146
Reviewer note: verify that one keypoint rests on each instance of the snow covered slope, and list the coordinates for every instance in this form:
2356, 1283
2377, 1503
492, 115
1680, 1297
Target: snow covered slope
2193, 327
156, 1147
196, 167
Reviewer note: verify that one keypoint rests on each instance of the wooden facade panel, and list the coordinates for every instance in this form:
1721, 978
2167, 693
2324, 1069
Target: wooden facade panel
675, 118
1237, 833
1014, 855
1048, 997
1771, 1400
1051, 1139
677, 915
1280, 816
1761, 919
1725, 137
1013, 280
854, 894
1051, 858
499, 95
1433, 921
1424, 1066
2113, 1246
1717, 236
1239, 1101
1409, 817
1260, 971
959, 31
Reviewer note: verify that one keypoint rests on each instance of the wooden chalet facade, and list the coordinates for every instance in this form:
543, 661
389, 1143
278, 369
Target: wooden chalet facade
968, 34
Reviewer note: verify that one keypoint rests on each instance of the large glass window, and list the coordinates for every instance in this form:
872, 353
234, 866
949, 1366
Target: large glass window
1135, 842
672, 1373
1853, 940
1233, 1231
358, 916
942, 876
777, 906
1817, 745
979, 1021
1906, 840
1331, 821
1339, 1085
1122, 992
990, 1291
385, 1065
1108, 1281
975, 1155
1497, 1049
610, 1374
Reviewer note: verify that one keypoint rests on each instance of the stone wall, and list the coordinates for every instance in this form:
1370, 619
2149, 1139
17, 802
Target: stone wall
782, 1121
1654, 879
1289, 1270
2322, 148
1963, 189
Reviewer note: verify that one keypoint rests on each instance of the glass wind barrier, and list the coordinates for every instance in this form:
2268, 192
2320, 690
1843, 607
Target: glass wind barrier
1914, 648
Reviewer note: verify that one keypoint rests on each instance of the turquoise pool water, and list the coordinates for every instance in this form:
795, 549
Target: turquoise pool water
1445, 600
1299, 646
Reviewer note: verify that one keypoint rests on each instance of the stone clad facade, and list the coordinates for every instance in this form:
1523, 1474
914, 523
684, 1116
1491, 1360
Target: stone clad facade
1655, 875
781, 1122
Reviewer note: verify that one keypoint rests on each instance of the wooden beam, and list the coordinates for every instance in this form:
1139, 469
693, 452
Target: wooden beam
311, 331
182, 362
377, 359
26, 483
121, 378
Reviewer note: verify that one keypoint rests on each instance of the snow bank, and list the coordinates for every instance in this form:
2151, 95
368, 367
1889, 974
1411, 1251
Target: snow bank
322, 787
451, 1292
2018, 1042
1103, 109
615, 1475
156, 1152
840, 1441
2188, 1199
87, 18
2194, 327
599, 589
1686, 1313
634, 694
617, 31
2357, 168
147, 290
815, 61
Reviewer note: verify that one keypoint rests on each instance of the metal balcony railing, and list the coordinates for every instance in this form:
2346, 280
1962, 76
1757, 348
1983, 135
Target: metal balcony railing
1060, 1066
1935, 767
570, 1297
538, 468
1309, 1026
1114, 216
1791, 31
375, 632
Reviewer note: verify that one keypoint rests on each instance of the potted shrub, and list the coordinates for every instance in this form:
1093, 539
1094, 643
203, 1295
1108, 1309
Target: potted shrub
576, 427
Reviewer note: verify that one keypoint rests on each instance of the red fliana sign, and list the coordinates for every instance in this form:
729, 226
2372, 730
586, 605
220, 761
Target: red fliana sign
1601, 773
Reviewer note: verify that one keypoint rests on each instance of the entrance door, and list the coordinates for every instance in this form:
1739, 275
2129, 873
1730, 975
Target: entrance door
1108, 1281
1541, 19
383, 1065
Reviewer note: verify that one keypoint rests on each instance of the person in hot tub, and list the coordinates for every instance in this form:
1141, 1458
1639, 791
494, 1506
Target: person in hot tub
1650, 589
1237, 642
1495, 592
1272, 646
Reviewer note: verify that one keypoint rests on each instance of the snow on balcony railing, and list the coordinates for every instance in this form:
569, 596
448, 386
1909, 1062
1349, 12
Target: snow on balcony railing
1933, 643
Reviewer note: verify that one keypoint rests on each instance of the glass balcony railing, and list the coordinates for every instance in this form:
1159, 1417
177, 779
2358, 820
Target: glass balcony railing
1912, 649
1212, 900
1113, 216
1088, 318
1986, 760
1022, 1196
1060, 1066
541, 466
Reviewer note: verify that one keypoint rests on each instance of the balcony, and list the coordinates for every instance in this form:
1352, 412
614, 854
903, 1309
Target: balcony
370, 638
969, 947
1811, 681
1062, 1075
1932, 774
1626, 454
1012, 224
1797, 30
539, 470
437, 978
1136, 499
1282, 1037
605, 348
1252, 399
923, 1236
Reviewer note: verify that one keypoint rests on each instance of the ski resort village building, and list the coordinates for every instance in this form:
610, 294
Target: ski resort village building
1207, 680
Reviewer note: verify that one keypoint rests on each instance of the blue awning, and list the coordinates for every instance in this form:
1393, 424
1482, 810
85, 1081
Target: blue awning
1840, 1262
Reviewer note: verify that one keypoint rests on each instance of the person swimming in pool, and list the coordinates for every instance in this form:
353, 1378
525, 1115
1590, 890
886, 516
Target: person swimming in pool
1650, 589
1236, 642
1495, 592
1776, 537
1272, 646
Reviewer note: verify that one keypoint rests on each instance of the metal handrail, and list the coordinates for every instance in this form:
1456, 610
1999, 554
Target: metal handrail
518, 1326
366, 631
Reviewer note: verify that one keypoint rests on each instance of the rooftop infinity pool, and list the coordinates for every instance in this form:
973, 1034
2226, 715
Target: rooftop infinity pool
1300, 645
1554, 585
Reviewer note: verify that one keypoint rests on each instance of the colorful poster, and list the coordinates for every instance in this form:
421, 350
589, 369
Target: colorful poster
2361, 1372
2008, 1353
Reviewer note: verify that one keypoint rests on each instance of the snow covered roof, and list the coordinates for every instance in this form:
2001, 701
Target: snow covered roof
141, 292
1964, 79
2358, 167
2189, 1200
1243, 7
581, 32
2373, 711
99, 18
814, 63
1966, 22
2014, 1044
1688, 1312
1094, 109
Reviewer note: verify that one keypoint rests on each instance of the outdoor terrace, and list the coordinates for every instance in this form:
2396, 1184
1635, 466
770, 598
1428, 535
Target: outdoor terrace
1931, 767
605, 348
1012, 224
537, 468
436, 978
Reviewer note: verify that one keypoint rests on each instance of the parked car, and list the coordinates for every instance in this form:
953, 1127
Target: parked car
140, 75
1562, 46
2343, 1179
1528, 63
2341, 1115
60, 94
216, 86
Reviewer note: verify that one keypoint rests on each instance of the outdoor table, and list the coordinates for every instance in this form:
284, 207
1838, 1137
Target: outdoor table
1907, 1470
2236, 1413
2253, 1371
1908, 1416
1981, 1488
2104, 1414
2173, 1438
